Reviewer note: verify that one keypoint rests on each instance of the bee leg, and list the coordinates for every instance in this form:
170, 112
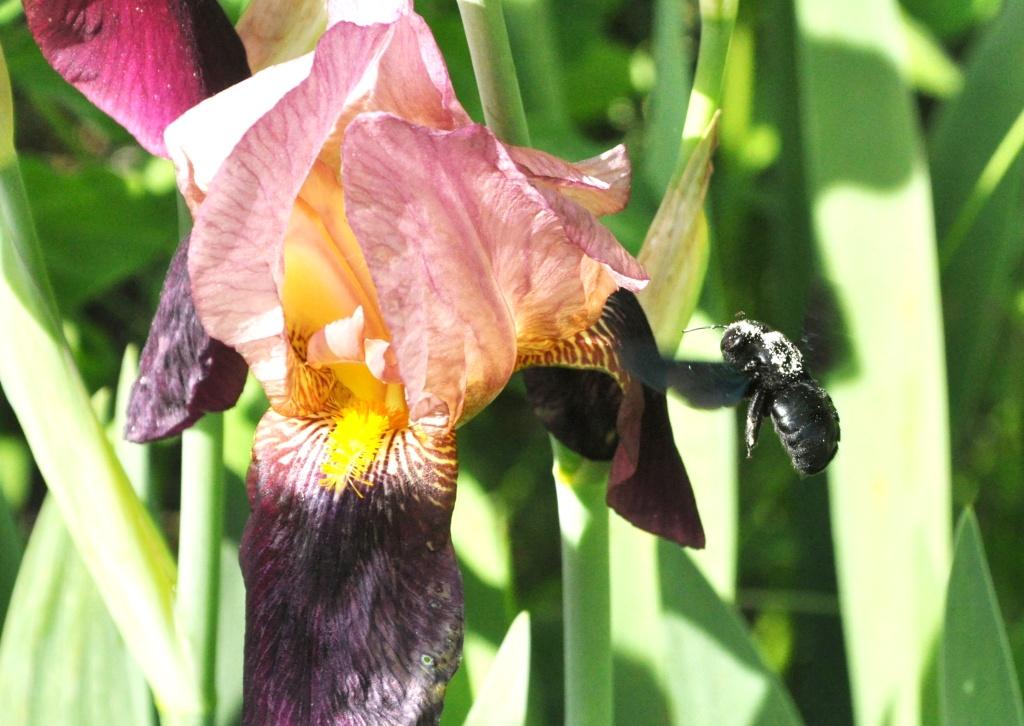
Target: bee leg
756, 411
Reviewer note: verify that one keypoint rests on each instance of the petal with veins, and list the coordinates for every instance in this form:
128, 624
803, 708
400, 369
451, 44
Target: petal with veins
600, 185
470, 260
354, 604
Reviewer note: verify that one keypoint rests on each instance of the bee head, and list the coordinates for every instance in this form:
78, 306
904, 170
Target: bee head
743, 346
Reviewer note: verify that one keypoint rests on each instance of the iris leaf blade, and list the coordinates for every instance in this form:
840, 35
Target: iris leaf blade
979, 683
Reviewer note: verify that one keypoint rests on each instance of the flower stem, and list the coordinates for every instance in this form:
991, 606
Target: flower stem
583, 517
202, 523
717, 20
494, 70
580, 484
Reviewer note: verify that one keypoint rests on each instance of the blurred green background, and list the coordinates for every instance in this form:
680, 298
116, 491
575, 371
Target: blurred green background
596, 72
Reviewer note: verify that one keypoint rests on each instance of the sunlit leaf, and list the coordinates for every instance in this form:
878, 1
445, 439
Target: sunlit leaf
504, 694
62, 662
890, 483
715, 675
979, 684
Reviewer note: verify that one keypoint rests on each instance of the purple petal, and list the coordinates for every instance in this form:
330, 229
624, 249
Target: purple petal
144, 63
183, 373
354, 606
618, 417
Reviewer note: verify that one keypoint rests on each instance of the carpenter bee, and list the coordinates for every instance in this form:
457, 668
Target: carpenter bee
804, 416
765, 366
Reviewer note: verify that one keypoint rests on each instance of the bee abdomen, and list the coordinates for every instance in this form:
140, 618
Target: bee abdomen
807, 424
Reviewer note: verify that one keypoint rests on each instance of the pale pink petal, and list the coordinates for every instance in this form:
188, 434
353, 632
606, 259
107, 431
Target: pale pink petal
596, 241
600, 184
200, 139
235, 261
367, 12
401, 71
469, 259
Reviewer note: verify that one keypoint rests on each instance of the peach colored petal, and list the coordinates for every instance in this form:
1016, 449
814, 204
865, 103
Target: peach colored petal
236, 259
469, 259
600, 184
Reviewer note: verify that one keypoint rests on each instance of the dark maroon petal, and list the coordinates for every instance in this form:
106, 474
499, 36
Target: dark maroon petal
620, 415
579, 407
354, 608
183, 372
144, 63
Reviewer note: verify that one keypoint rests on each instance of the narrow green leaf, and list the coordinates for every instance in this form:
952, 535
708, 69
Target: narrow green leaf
707, 442
932, 71
978, 222
15, 471
676, 248
505, 693
715, 675
667, 103
11, 547
230, 637
480, 537
890, 483
979, 683
113, 533
62, 662
580, 487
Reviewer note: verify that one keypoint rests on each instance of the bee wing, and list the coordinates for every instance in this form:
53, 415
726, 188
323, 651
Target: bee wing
706, 384
702, 384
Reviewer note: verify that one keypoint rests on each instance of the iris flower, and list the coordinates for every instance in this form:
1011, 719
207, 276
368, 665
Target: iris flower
382, 265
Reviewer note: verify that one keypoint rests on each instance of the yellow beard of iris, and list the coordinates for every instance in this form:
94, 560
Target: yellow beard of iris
352, 445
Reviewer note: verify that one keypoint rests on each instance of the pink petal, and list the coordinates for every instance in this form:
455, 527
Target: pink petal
201, 138
469, 259
236, 258
144, 63
600, 184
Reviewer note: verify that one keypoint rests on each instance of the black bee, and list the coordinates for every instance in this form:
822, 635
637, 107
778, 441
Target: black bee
804, 416
760, 364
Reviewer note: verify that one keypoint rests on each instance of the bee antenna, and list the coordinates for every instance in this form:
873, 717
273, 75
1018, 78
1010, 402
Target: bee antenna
706, 327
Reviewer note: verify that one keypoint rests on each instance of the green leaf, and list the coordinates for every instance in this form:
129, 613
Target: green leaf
62, 662
10, 554
890, 483
119, 543
979, 684
715, 675
677, 246
931, 70
230, 637
952, 17
87, 253
505, 694
15, 471
978, 278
